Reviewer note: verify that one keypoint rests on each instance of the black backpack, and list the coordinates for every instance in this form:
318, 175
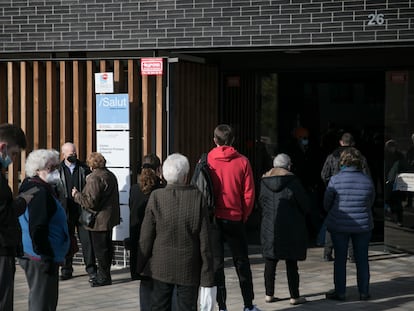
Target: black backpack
202, 180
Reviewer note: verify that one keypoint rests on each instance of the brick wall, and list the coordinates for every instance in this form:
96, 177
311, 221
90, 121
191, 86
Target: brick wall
91, 25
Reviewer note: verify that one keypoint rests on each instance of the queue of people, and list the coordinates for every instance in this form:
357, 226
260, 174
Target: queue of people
175, 246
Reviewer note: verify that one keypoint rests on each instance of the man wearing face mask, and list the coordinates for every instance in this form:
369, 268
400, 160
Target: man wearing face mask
73, 175
12, 141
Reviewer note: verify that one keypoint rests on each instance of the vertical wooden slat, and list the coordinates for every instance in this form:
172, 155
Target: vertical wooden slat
3, 93
65, 101
133, 95
82, 111
90, 111
38, 106
146, 118
23, 110
52, 117
118, 77
75, 102
102, 66
159, 118
13, 116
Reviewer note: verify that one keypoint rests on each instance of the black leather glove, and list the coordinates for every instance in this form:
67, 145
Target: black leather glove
48, 266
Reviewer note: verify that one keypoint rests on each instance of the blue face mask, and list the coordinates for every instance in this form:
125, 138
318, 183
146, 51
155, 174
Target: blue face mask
5, 162
305, 141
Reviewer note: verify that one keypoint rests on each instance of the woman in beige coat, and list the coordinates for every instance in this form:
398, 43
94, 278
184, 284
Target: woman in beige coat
101, 196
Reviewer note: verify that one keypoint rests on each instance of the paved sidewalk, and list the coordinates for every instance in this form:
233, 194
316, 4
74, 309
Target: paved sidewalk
392, 286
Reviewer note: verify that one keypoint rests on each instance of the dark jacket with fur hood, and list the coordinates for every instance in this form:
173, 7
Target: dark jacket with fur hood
284, 205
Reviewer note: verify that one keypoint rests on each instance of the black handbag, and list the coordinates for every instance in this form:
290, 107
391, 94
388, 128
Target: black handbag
87, 218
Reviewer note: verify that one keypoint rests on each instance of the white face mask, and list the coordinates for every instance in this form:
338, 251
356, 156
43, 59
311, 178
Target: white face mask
53, 177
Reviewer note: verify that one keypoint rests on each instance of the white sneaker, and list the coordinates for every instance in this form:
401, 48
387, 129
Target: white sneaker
254, 309
298, 301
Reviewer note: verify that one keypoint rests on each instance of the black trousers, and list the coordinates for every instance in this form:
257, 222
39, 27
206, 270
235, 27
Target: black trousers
87, 251
7, 271
162, 297
102, 247
292, 276
234, 234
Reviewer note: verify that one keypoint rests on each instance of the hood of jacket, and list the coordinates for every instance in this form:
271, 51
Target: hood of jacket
224, 153
337, 152
277, 178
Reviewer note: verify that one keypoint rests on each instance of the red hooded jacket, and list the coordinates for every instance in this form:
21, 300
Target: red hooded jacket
233, 182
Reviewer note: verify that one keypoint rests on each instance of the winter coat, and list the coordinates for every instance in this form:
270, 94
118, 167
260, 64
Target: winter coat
68, 182
284, 205
331, 165
175, 241
233, 182
10, 235
101, 195
44, 223
348, 201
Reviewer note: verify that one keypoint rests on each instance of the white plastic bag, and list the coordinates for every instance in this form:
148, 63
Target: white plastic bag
207, 298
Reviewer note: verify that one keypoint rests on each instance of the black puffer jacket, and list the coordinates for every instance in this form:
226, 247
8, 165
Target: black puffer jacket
284, 205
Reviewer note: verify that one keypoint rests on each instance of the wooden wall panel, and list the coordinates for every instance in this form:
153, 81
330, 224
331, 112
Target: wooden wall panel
134, 117
194, 109
52, 115
39, 109
3, 92
90, 107
146, 117
159, 119
65, 98
54, 102
13, 89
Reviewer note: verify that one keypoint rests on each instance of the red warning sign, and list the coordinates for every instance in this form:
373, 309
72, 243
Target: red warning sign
151, 66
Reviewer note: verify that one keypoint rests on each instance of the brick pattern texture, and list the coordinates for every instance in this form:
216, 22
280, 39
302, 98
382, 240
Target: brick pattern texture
97, 25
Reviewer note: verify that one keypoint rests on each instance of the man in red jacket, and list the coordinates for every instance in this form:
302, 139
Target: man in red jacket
233, 183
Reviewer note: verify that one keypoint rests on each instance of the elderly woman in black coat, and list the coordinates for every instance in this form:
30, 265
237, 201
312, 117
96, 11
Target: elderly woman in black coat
283, 233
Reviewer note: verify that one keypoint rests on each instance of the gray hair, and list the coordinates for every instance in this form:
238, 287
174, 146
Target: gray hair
175, 168
282, 160
39, 159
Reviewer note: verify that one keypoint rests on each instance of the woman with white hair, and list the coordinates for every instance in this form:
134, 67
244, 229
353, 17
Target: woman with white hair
44, 230
174, 246
283, 232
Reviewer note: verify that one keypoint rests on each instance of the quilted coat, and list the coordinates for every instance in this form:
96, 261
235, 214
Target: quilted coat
284, 205
348, 200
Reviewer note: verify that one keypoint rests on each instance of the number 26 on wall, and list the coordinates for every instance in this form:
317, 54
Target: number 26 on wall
376, 19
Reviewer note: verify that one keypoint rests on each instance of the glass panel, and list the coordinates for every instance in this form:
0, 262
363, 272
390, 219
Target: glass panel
399, 161
269, 114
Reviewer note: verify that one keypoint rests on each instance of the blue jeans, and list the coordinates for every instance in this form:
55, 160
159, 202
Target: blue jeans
360, 243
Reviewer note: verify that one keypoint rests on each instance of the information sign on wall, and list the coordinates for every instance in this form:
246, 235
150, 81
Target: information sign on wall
104, 82
114, 146
112, 112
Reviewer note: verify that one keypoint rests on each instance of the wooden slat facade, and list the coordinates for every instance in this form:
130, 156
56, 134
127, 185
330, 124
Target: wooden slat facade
194, 109
54, 102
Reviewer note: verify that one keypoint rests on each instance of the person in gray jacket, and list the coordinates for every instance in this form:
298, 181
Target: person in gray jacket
284, 205
348, 201
174, 246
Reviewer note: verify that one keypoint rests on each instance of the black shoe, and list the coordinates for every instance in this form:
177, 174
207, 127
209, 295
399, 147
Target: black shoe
97, 282
364, 296
332, 295
92, 277
65, 277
